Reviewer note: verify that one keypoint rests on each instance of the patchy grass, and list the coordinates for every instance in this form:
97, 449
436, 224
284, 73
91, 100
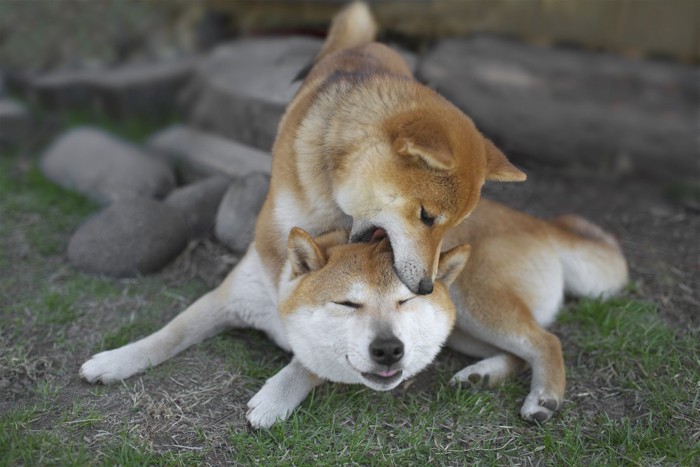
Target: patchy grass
633, 378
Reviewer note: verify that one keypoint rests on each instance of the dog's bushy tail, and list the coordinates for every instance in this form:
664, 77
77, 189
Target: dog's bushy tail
353, 26
593, 263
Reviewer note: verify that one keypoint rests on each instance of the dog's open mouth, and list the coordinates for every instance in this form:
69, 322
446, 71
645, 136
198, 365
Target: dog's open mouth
372, 234
384, 378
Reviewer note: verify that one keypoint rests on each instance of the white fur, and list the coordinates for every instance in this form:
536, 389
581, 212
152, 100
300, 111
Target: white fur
280, 395
333, 341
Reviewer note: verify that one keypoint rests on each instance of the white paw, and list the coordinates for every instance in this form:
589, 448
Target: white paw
487, 373
539, 406
112, 365
268, 406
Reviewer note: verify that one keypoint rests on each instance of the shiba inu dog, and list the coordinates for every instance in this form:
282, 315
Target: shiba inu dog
348, 318
364, 146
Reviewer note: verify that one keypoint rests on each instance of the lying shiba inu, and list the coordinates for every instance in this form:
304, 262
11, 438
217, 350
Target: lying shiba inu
348, 318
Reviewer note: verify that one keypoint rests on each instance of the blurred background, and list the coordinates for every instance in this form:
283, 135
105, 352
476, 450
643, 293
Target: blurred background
618, 77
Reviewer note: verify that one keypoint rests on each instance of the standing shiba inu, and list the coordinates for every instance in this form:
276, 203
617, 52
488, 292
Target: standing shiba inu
348, 318
364, 146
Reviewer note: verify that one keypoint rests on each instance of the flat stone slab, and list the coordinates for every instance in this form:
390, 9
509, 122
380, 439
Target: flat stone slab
573, 107
199, 154
242, 88
15, 122
199, 203
132, 89
238, 211
130, 237
105, 168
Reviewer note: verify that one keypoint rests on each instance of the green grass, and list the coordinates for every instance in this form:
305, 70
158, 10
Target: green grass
633, 397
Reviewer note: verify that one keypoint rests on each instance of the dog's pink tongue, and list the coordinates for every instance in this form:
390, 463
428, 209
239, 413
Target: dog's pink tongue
388, 373
378, 234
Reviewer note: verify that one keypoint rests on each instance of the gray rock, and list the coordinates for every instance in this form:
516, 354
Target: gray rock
199, 154
105, 168
128, 238
567, 107
143, 89
199, 203
241, 89
235, 221
15, 122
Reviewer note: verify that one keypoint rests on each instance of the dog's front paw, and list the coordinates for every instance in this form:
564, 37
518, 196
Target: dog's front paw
267, 406
487, 373
280, 395
111, 366
539, 406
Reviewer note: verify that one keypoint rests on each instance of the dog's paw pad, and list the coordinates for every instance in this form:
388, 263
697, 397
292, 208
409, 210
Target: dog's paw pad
541, 417
539, 409
551, 404
470, 378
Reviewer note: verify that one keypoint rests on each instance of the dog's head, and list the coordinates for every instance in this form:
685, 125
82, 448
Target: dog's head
423, 179
350, 319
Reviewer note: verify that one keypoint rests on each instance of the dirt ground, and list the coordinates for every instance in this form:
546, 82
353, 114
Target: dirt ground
200, 396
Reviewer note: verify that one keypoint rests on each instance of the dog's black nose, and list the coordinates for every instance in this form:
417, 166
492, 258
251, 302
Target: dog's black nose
386, 350
425, 286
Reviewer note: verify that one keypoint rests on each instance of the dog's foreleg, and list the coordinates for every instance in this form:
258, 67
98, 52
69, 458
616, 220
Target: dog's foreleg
204, 318
222, 308
281, 394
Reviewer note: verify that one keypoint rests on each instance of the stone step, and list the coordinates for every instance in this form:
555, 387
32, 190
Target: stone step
104, 167
566, 107
133, 89
242, 88
199, 154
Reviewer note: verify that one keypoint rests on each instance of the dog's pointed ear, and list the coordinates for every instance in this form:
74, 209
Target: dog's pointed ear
451, 263
424, 140
498, 168
304, 254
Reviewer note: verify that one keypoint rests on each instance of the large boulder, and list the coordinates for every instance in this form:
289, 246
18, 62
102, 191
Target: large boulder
238, 211
198, 154
104, 167
130, 237
566, 107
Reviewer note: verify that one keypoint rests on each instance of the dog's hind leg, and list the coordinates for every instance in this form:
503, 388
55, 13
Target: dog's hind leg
494, 369
509, 340
240, 296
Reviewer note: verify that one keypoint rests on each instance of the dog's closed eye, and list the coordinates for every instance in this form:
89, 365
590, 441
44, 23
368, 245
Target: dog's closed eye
349, 304
401, 302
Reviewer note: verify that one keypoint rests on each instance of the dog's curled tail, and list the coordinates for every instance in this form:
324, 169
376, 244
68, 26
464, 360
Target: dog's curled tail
592, 259
353, 26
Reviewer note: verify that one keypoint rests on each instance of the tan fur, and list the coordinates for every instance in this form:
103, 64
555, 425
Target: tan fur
359, 125
505, 303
